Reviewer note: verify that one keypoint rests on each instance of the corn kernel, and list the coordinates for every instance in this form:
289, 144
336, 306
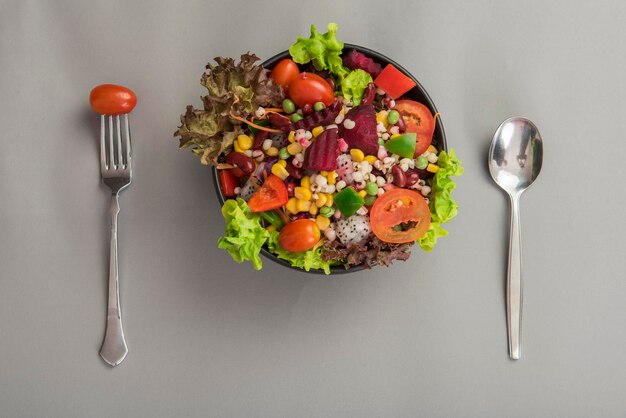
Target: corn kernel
294, 148
394, 136
332, 177
291, 137
362, 193
303, 205
302, 194
432, 168
317, 131
282, 162
291, 206
244, 141
236, 147
357, 155
305, 182
270, 228
382, 117
322, 222
324, 173
272, 151
321, 200
329, 199
280, 171
370, 159
313, 210
432, 149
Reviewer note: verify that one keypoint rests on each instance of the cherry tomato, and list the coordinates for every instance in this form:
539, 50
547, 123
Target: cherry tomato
272, 194
299, 235
399, 216
228, 183
309, 88
109, 99
394, 82
285, 72
418, 119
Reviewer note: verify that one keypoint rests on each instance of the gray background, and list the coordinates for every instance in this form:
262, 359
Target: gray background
208, 337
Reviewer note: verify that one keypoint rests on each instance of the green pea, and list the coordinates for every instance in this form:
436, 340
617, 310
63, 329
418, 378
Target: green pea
283, 154
327, 211
318, 106
421, 162
371, 188
381, 141
296, 117
289, 106
392, 117
369, 200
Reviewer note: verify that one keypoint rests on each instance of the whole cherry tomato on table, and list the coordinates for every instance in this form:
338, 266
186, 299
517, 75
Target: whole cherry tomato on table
309, 88
299, 235
110, 99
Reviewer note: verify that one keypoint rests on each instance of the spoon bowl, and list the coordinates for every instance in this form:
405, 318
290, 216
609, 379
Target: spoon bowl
515, 159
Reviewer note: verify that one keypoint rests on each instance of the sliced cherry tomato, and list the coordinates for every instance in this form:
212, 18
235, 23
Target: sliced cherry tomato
109, 99
285, 72
228, 183
399, 216
394, 82
272, 194
418, 119
299, 235
309, 88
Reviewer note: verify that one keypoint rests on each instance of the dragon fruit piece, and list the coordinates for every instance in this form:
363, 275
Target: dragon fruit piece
344, 168
355, 59
363, 135
353, 230
322, 154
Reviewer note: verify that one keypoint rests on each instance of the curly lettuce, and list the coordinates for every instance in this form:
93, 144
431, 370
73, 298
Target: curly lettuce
442, 207
324, 52
234, 89
307, 260
244, 235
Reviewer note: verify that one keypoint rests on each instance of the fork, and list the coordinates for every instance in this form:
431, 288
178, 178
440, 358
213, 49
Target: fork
116, 172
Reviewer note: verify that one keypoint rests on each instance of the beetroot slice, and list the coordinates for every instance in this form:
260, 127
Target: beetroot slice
364, 135
322, 154
355, 59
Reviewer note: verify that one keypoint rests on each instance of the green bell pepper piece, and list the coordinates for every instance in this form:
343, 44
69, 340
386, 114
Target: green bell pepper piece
403, 145
348, 201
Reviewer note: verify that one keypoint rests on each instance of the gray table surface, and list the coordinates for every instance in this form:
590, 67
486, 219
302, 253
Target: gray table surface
209, 337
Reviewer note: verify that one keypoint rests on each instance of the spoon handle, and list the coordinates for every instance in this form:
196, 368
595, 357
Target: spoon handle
514, 283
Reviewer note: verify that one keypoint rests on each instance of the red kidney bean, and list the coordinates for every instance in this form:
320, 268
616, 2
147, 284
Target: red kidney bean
294, 171
411, 177
399, 179
259, 137
290, 188
386, 102
307, 109
401, 125
281, 122
369, 94
245, 163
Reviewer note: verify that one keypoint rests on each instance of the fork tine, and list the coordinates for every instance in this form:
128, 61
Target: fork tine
111, 148
103, 150
127, 141
120, 162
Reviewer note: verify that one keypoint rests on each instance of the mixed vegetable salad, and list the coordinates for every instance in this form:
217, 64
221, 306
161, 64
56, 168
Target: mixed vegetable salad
322, 159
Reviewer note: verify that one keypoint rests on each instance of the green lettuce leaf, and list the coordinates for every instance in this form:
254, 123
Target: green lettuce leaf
442, 207
324, 50
354, 84
233, 89
307, 260
244, 235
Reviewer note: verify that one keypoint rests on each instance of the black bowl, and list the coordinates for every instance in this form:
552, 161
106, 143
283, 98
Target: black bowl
417, 93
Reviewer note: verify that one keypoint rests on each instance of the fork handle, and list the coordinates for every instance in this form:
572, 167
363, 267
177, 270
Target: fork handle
114, 348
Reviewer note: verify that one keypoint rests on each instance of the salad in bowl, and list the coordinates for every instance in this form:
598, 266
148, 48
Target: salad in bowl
328, 157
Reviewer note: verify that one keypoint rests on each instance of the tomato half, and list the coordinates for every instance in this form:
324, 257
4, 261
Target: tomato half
285, 72
399, 216
299, 235
309, 88
109, 99
418, 119
228, 183
272, 194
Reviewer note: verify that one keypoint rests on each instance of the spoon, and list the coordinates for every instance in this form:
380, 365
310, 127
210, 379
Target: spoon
515, 158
